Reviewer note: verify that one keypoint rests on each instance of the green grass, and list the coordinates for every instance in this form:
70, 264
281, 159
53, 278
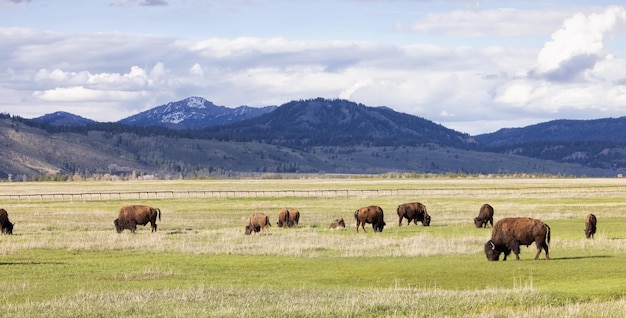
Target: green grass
65, 259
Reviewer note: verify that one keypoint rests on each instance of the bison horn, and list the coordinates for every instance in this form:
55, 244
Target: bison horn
493, 246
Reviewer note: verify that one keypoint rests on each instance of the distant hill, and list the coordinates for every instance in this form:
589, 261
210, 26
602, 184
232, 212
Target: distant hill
193, 113
606, 129
598, 143
325, 122
308, 136
33, 153
63, 119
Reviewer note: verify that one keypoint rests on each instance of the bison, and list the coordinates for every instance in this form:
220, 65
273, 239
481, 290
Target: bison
509, 233
258, 222
337, 223
283, 218
5, 224
131, 215
485, 215
294, 218
372, 214
288, 218
590, 225
414, 211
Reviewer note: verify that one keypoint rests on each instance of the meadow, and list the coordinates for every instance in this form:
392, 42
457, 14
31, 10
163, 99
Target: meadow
65, 258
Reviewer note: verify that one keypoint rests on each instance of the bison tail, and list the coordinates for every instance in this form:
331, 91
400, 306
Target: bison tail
548, 233
159, 213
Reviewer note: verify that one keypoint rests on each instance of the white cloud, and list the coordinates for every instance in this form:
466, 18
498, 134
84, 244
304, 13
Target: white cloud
126, 73
578, 44
81, 94
480, 23
197, 70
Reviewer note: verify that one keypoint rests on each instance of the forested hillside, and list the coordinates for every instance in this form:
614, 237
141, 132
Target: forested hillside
305, 136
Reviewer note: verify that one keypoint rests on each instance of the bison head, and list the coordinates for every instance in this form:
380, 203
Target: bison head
118, 226
493, 251
8, 228
378, 227
252, 228
478, 222
426, 220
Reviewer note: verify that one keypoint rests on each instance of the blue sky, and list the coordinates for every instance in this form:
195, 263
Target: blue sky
473, 66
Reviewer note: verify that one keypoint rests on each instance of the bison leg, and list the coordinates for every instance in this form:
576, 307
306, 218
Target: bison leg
515, 249
400, 220
153, 225
362, 226
541, 246
133, 227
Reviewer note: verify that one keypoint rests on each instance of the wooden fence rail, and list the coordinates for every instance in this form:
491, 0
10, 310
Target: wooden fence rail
165, 194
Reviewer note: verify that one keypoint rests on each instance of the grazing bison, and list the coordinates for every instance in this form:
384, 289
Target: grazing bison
509, 233
485, 215
337, 223
258, 222
5, 224
131, 215
288, 218
590, 225
283, 218
414, 211
294, 218
372, 214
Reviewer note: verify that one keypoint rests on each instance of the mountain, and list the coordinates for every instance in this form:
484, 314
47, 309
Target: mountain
63, 119
324, 122
606, 129
105, 152
193, 113
598, 143
307, 136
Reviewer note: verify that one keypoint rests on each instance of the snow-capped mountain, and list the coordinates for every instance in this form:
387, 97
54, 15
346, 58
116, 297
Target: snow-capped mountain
193, 113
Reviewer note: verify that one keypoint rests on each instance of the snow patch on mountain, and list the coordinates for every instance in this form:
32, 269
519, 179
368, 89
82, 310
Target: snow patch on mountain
196, 102
194, 113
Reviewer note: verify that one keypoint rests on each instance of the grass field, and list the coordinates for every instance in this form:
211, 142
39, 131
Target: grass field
66, 260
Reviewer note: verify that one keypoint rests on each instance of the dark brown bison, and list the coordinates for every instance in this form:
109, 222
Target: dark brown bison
283, 218
590, 225
372, 214
131, 215
413, 211
509, 233
485, 215
337, 223
294, 218
258, 222
5, 224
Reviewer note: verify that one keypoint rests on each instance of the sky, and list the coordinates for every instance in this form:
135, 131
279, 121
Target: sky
472, 66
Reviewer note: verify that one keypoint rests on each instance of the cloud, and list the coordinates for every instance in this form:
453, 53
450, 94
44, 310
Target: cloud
82, 94
153, 3
480, 23
146, 3
13, 4
578, 44
121, 74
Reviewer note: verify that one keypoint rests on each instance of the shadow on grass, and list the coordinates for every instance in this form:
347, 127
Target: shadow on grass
579, 257
184, 231
29, 263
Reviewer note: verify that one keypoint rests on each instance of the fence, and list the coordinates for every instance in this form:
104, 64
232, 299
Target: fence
137, 195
